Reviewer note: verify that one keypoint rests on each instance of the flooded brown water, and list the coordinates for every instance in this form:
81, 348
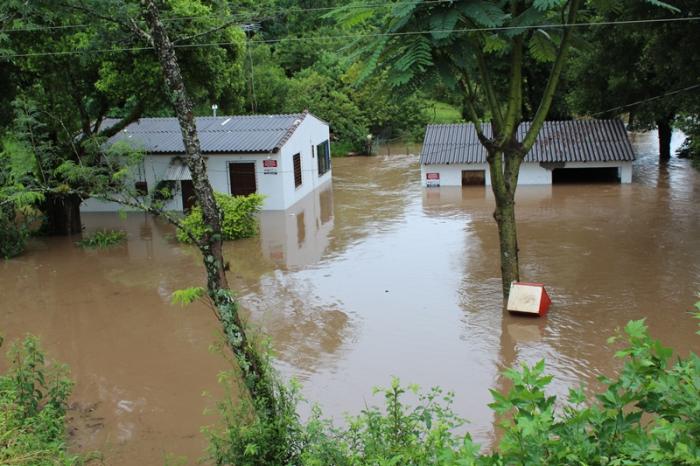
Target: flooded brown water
372, 278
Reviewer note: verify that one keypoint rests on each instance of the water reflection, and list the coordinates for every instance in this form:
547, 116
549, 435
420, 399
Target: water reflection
300, 235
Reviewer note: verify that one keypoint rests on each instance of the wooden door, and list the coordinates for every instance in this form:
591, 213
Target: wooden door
242, 178
188, 197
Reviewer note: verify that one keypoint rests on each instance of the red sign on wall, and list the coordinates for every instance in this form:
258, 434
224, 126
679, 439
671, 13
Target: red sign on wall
432, 176
270, 163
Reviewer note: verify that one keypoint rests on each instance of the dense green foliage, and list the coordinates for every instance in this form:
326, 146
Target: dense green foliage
642, 63
239, 218
13, 234
251, 434
648, 415
63, 82
101, 239
33, 400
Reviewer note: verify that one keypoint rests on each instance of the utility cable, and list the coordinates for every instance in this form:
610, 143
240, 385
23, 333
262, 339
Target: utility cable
360, 36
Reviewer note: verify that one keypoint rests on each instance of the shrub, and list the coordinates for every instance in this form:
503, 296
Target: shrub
252, 431
13, 235
33, 400
648, 415
101, 239
239, 218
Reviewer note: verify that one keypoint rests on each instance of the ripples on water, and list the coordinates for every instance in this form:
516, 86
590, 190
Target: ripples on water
374, 278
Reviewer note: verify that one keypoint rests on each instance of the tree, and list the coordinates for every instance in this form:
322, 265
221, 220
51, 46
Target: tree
642, 62
74, 77
269, 396
485, 49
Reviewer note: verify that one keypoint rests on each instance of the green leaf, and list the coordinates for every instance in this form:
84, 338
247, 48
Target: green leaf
636, 329
544, 5
542, 47
663, 5
483, 13
443, 23
187, 295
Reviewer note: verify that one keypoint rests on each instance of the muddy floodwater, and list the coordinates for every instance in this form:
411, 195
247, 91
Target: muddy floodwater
371, 278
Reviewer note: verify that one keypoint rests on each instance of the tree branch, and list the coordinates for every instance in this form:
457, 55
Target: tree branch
133, 115
487, 84
515, 93
552, 82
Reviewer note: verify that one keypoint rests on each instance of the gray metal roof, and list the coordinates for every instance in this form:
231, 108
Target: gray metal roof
558, 141
225, 134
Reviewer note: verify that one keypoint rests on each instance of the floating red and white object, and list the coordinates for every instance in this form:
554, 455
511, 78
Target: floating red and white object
528, 298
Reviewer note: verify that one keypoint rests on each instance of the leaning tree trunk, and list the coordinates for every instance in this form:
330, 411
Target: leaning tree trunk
665, 131
254, 370
62, 214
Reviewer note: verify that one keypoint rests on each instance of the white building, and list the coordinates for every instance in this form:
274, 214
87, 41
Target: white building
284, 157
564, 151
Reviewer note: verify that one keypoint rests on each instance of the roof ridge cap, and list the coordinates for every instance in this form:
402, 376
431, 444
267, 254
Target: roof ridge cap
285, 137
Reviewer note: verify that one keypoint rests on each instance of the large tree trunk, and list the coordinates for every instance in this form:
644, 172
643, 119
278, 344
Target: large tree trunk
665, 131
62, 214
254, 370
508, 240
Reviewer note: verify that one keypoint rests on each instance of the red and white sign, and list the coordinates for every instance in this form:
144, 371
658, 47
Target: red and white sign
432, 180
528, 298
270, 163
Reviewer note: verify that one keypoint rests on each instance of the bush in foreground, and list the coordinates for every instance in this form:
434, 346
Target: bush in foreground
33, 400
239, 218
648, 415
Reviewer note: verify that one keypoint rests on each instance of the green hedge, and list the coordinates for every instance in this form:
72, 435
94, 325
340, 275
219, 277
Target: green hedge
239, 218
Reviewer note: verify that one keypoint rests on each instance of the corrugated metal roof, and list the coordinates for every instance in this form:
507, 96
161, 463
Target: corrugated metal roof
225, 134
558, 141
177, 172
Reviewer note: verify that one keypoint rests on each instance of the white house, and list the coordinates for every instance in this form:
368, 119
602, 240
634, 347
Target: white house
284, 157
564, 150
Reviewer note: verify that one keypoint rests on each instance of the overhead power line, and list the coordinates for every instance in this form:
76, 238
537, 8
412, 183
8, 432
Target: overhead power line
360, 36
651, 99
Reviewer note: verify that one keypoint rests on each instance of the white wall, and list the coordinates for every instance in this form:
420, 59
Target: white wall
276, 184
451, 175
530, 173
310, 132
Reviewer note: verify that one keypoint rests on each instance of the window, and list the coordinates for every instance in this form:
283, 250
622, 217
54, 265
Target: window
323, 154
297, 170
141, 188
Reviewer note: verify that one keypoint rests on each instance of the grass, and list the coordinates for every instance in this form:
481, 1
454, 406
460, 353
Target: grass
443, 113
341, 148
102, 239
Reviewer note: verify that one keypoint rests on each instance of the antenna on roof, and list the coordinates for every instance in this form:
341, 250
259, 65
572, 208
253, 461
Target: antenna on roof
214, 108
